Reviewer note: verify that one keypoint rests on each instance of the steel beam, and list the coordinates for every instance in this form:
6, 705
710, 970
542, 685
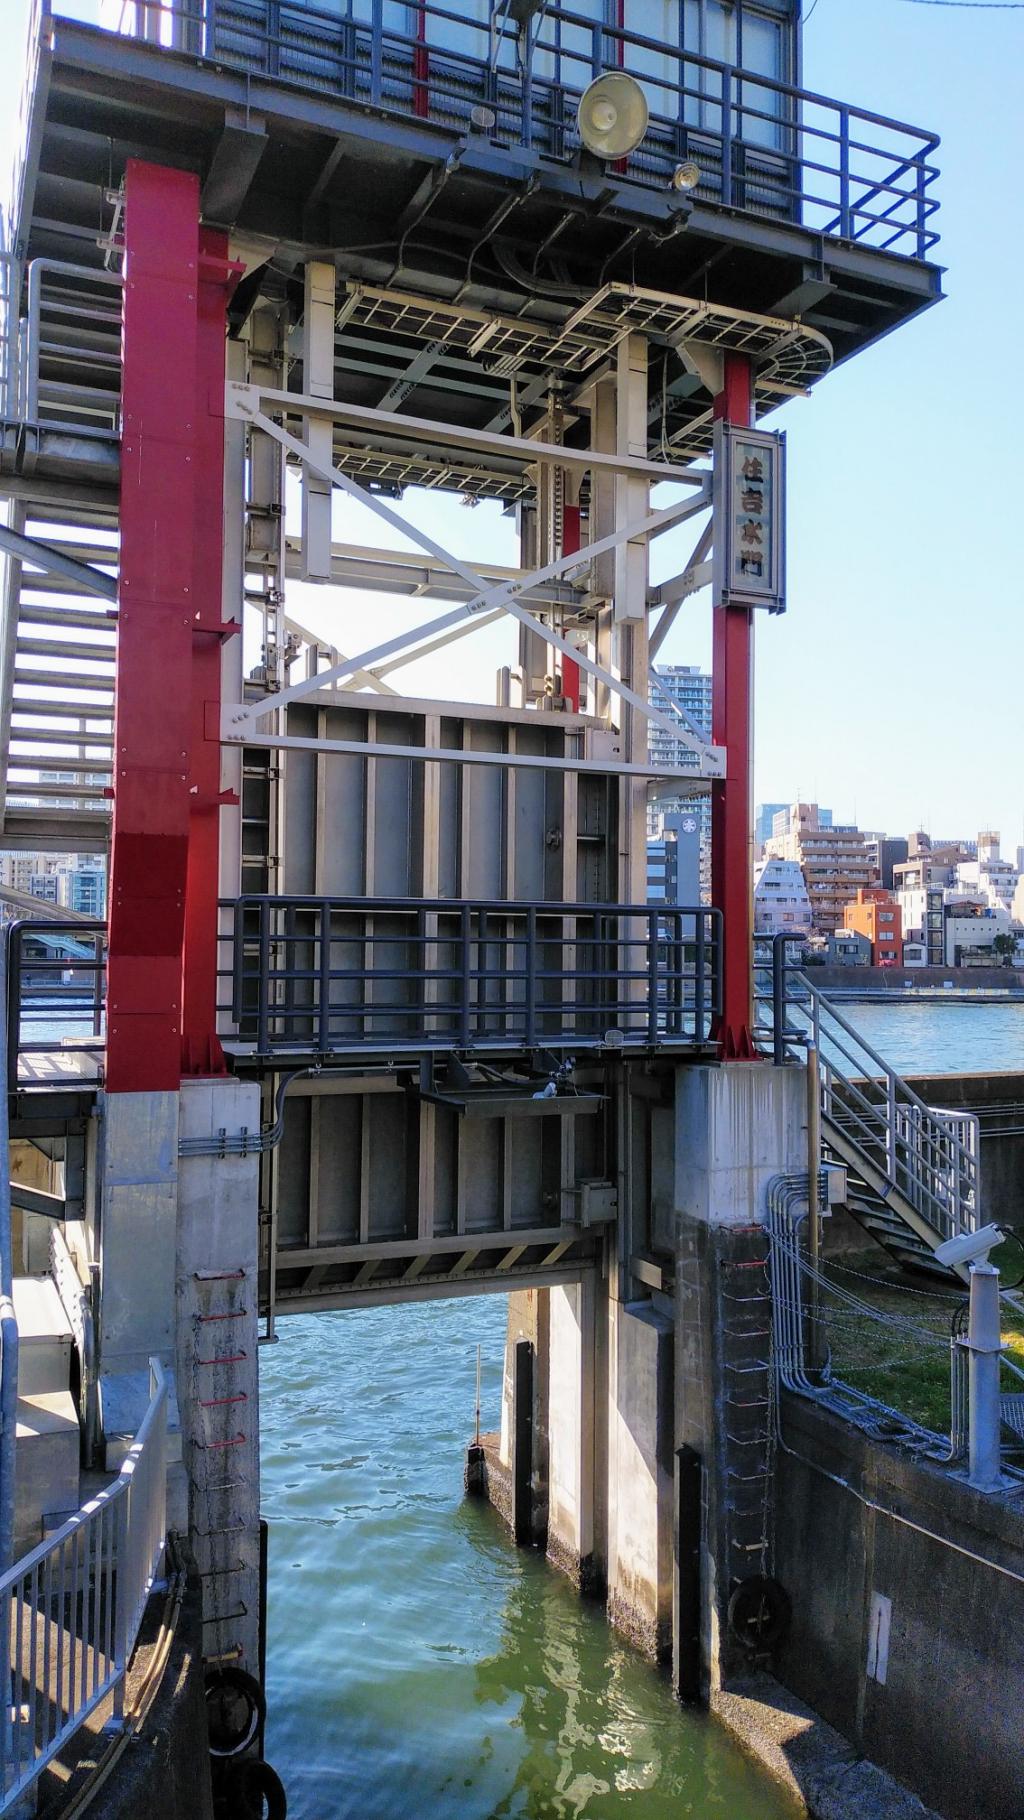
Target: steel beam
453, 755
153, 721
54, 562
732, 795
501, 595
201, 1053
252, 402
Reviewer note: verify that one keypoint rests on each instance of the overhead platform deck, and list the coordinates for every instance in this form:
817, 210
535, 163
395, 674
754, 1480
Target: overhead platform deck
479, 266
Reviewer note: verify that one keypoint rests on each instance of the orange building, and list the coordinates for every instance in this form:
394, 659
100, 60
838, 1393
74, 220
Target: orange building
876, 914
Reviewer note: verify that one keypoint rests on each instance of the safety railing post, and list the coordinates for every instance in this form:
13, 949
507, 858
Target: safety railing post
652, 976
779, 1000
323, 1024
466, 955
845, 225
263, 981
530, 980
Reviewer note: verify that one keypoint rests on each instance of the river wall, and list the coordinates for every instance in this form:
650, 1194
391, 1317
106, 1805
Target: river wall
907, 1630
899, 982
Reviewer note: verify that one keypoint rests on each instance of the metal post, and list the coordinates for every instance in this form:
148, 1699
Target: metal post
522, 1443
731, 797
686, 1617
814, 1349
153, 688
201, 1052
779, 1008
984, 1346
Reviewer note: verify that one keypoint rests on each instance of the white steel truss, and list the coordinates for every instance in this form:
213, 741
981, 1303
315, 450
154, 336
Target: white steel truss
245, 403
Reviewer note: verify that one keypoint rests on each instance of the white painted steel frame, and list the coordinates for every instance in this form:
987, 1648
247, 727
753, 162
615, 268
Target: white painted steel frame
239, 403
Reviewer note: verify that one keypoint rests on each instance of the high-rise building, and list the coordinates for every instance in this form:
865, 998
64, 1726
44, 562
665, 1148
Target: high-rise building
83, 886
993, 878
689, 687
886, 851
781, 902
764, 820
875, 913
834, 861
673, 858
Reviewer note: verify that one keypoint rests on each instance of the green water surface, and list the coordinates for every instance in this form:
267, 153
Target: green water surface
419, 1665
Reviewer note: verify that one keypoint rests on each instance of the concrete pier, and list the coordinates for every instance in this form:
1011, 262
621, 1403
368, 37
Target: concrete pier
620, 1383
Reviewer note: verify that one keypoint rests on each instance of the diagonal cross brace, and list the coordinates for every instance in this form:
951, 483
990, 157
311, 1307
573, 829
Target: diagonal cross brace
499, 595
57, 562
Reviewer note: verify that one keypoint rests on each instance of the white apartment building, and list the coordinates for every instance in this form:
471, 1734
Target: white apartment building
689, 687
991, 877
782, 905
833, 859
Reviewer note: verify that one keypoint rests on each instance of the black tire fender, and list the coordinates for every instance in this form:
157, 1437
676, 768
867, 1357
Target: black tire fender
230, 1689
261, 1790
759, 1612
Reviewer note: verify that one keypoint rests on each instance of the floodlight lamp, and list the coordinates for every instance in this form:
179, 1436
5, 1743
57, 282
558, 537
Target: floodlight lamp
612, 116
687, 175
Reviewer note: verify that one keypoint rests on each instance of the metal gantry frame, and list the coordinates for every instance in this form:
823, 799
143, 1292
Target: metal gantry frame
252, 405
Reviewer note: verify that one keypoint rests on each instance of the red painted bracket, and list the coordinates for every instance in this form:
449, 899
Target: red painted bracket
224, 629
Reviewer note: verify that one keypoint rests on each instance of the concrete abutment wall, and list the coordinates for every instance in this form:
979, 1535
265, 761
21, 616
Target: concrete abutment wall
626, 1373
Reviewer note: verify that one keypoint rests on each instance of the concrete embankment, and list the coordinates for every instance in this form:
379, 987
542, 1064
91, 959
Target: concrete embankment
948, 983
907, 1630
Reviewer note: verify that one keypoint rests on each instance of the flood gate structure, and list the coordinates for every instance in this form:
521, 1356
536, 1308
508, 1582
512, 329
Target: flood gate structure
386, 1014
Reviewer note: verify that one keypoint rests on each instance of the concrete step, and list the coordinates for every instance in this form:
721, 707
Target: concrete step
47, 1458
44, 1336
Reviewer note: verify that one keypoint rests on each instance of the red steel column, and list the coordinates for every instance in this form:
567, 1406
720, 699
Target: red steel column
570, 545
732, 704
201, 1052
153, 693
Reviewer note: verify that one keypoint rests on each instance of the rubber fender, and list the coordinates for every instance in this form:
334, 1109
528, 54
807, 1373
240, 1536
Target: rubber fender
261, 1791
236, 1707
759, 1612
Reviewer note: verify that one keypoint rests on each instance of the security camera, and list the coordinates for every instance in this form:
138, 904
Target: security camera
969, 1247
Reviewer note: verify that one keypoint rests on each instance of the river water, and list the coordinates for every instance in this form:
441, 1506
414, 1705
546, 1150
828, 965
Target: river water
419, 1666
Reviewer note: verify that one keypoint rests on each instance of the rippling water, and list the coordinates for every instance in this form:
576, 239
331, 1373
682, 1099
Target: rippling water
932, 1038
419, 1665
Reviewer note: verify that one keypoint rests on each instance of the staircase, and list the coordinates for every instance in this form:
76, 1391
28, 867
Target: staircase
913, 1177
59, 434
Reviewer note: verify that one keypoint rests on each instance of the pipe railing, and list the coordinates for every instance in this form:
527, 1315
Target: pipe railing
762, 144
324, 976
71, 1609
928, 1155
54, 999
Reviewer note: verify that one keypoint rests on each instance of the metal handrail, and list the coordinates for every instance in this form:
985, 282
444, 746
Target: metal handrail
842, 170
322, 975
71, 1609
918, 1147
81, 1005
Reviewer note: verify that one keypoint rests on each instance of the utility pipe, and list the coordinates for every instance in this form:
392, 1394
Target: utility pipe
813, 1204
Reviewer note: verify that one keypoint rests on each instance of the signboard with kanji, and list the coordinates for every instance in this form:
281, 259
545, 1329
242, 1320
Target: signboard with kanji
749, 518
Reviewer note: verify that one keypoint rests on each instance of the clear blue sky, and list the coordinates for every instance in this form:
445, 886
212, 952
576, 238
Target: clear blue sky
892, 688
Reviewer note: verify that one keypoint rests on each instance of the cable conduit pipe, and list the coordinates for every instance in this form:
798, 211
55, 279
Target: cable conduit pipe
8, 1323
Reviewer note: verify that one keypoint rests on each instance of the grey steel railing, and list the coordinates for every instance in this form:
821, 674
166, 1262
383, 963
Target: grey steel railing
762, 144
58, 998
70, 1611
930, 1157
323, 976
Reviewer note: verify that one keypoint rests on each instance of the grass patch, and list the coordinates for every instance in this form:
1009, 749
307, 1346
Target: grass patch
905, 1366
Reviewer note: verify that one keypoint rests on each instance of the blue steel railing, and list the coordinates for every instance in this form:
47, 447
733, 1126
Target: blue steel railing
762, 145
331, 976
